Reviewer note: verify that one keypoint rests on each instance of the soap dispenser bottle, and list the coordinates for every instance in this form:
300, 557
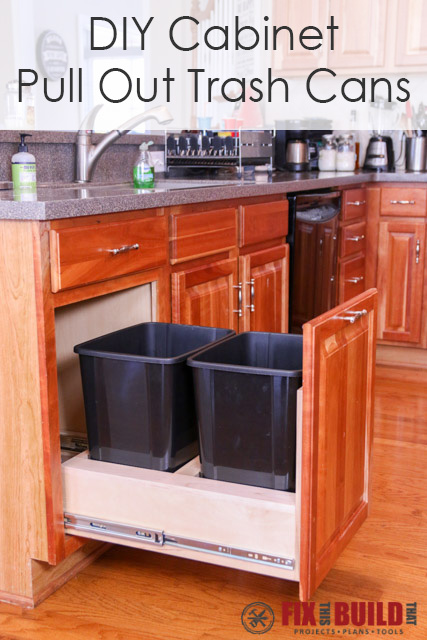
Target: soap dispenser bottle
143, 171
24, 168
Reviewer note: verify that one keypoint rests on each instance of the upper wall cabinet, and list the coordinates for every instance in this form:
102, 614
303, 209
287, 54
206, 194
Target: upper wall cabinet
360, 42
411, 33
299, 15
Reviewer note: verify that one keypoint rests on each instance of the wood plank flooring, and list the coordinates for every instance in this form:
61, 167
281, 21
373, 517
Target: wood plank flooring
134, 595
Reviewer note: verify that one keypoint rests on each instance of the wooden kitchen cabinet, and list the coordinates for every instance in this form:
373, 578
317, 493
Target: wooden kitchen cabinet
207, 295
264, 278
361, 39
299, 15
352, 244
400, 280
411, 45
293, 536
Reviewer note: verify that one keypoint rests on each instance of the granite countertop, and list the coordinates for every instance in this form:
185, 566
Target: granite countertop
70, 200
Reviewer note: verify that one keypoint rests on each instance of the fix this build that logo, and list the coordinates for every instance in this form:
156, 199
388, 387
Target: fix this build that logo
347, 619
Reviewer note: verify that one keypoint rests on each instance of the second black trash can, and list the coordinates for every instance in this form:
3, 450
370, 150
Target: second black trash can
139, 396
246, 398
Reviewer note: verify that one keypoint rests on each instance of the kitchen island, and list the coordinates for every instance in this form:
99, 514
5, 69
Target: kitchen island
83, 261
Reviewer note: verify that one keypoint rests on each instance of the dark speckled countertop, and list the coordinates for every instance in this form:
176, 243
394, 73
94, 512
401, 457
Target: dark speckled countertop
69, 200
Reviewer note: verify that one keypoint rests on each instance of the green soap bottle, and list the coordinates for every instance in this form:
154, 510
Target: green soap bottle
24, 169
143, 171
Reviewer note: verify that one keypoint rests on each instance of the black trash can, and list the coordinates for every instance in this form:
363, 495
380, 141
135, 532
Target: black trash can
139, 394
246, 399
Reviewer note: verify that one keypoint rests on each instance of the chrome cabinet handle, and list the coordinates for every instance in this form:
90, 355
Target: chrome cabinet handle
251, 306
131, 247
357, 203
355, 280
418, 252
239, 311
356, 238
352, 316
405, 202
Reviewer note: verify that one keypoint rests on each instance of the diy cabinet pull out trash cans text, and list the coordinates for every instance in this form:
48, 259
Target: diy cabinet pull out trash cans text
139, 395
246, 399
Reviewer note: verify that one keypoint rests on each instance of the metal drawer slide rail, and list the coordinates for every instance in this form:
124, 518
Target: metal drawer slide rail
159, 539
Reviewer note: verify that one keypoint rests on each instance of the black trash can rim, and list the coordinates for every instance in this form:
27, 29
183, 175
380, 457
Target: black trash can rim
233, 368
88, 348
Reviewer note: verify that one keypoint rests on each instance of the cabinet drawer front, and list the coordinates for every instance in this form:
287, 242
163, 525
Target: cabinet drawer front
352, 278
82, 255
403, 202
354, 204
194, 235
353, 239
261, 222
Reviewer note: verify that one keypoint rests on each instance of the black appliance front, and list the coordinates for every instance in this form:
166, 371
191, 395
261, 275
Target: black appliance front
313, 241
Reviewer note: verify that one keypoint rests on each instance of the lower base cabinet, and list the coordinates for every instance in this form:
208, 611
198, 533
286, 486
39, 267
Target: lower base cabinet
294, 536
400, 280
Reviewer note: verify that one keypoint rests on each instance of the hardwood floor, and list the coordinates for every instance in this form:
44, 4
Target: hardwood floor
127, 594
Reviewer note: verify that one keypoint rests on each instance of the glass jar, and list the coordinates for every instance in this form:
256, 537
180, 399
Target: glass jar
328, 154
346, 153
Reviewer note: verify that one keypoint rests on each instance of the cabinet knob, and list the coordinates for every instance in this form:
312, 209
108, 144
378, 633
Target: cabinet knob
356, 238
418, 252
404, 202
356, 203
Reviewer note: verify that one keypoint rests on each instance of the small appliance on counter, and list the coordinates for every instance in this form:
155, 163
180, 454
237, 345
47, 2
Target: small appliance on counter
298, 155
380, 154
297, 138
219, 150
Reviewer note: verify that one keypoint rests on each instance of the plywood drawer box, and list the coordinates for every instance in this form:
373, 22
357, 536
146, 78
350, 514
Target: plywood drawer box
263, 222
353, 239
195, 235
403, 201
353, 204
92, 253
294, 536
352, 278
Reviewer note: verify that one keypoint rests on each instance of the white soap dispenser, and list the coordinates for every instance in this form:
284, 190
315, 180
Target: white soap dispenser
24, 169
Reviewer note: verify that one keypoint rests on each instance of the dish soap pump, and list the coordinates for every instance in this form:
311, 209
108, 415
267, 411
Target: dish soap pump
24, 168
143, 171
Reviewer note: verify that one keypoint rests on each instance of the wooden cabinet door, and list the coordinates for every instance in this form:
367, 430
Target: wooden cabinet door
298, 15
264, 276
338, 373
411, 46
326, 267
207, 296
400, 278
361, 37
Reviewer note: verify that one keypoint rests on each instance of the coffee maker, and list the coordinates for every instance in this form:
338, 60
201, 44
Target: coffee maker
294, 138
380, 154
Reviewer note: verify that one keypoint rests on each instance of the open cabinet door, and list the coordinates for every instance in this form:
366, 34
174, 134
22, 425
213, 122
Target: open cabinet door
338, 380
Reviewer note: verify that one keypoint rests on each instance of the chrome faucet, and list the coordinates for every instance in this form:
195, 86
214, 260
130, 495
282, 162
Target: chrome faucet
88, 154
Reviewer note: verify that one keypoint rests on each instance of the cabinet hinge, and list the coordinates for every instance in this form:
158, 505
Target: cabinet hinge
114, 530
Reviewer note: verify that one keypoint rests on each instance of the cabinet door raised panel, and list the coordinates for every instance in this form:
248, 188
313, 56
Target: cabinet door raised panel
265, 282
411, 46
339, 362
401, 258
360, 41
298, 15
207, 296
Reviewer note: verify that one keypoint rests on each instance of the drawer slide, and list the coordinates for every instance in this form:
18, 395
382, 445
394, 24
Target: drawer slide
83, 524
